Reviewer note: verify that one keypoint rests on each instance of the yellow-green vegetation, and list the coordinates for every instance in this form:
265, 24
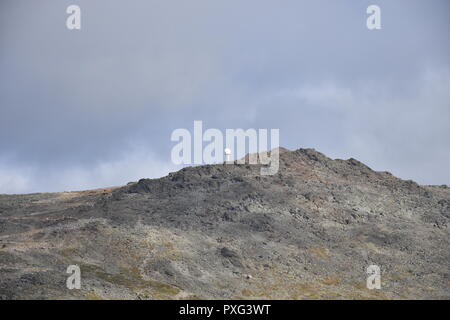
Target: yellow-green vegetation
129, 275
329, 288
68, 253
320, 252
362, 292
132, 279
191, 297
330, 281
93, 296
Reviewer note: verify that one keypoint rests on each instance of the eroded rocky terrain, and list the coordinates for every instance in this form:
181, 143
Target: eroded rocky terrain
226, 232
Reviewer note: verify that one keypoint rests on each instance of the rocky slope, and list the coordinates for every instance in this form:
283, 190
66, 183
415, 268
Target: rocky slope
226, 232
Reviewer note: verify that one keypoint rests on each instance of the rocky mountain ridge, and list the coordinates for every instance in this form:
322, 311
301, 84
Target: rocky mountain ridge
227, 232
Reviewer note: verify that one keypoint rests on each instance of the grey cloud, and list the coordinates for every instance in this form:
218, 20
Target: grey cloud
70, 101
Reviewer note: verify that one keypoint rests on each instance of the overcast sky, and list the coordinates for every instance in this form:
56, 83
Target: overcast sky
96, 107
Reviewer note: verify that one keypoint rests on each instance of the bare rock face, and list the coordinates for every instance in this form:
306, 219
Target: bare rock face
226, 232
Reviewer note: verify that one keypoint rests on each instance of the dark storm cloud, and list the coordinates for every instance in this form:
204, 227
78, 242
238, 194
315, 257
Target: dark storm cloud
82, 109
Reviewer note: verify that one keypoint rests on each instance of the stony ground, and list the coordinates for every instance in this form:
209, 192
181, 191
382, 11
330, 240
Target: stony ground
226, 232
